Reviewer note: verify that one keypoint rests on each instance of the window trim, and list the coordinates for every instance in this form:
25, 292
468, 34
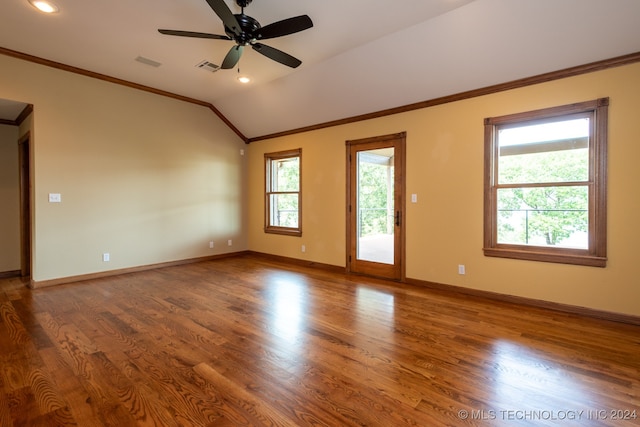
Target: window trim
596, 253
268, 158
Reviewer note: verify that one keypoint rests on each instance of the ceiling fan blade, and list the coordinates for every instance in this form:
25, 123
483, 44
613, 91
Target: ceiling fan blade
193, 34
284, 27
232, 58
276, 55
222, 10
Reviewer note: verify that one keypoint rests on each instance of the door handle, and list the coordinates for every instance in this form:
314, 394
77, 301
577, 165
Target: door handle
397, 218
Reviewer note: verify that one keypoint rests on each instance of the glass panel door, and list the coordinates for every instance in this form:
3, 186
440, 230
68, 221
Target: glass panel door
375, 206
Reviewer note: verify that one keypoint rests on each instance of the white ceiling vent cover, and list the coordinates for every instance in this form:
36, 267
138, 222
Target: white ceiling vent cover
207, 65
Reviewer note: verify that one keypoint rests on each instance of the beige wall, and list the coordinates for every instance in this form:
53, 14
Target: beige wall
445, 170
9, 200
150, 179
147, 178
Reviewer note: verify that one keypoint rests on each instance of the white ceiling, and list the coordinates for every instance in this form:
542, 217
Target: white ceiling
361, 56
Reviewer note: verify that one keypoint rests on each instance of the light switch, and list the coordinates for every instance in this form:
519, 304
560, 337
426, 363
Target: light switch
55, 198
414, 198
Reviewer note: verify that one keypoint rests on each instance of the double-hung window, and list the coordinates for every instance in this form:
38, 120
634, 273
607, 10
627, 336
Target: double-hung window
545, 184
283, 211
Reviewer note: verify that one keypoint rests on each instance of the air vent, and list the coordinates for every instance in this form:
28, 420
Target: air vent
209, 66
148, 61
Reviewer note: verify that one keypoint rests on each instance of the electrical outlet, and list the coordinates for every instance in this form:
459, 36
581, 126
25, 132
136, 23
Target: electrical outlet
461, 269
211, 244
229, 242
303, 248
106, 257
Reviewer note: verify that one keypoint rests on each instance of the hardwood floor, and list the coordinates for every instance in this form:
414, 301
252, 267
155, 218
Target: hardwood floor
250, 342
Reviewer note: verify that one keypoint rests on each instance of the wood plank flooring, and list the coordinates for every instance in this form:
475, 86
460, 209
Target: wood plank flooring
249, 342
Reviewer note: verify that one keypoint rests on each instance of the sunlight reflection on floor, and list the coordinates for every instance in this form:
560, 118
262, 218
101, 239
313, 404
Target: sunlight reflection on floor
289, 301
522, 379
378, 305
375, 311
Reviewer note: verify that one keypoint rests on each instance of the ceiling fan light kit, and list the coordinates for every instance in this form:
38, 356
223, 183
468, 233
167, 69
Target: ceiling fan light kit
246, 31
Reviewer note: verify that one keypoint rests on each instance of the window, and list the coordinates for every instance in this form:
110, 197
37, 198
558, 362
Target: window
282, 193
545, 184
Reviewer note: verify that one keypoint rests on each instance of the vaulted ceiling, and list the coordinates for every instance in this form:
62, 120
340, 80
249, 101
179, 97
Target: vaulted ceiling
360, 56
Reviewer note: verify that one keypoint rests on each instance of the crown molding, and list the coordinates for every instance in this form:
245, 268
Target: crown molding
515, 84
104, 77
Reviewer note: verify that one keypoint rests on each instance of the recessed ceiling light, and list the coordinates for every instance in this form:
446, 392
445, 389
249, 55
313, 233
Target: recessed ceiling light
244, 79
44, 6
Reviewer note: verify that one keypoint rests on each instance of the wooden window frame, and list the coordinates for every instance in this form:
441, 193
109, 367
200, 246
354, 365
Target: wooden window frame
268, 159
596, 253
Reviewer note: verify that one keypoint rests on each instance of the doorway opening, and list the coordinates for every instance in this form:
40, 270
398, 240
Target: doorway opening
24, 159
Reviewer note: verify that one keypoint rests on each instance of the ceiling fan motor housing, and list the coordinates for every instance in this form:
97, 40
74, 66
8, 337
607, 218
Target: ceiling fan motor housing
248, 27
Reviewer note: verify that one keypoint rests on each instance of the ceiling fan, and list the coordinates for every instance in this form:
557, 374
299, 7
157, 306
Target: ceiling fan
245, 30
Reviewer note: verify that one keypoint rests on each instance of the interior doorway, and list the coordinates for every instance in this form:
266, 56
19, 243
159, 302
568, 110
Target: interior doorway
24, 159
375, 206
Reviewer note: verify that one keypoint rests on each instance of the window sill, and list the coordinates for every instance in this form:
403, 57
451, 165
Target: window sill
284, 231
560, 256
